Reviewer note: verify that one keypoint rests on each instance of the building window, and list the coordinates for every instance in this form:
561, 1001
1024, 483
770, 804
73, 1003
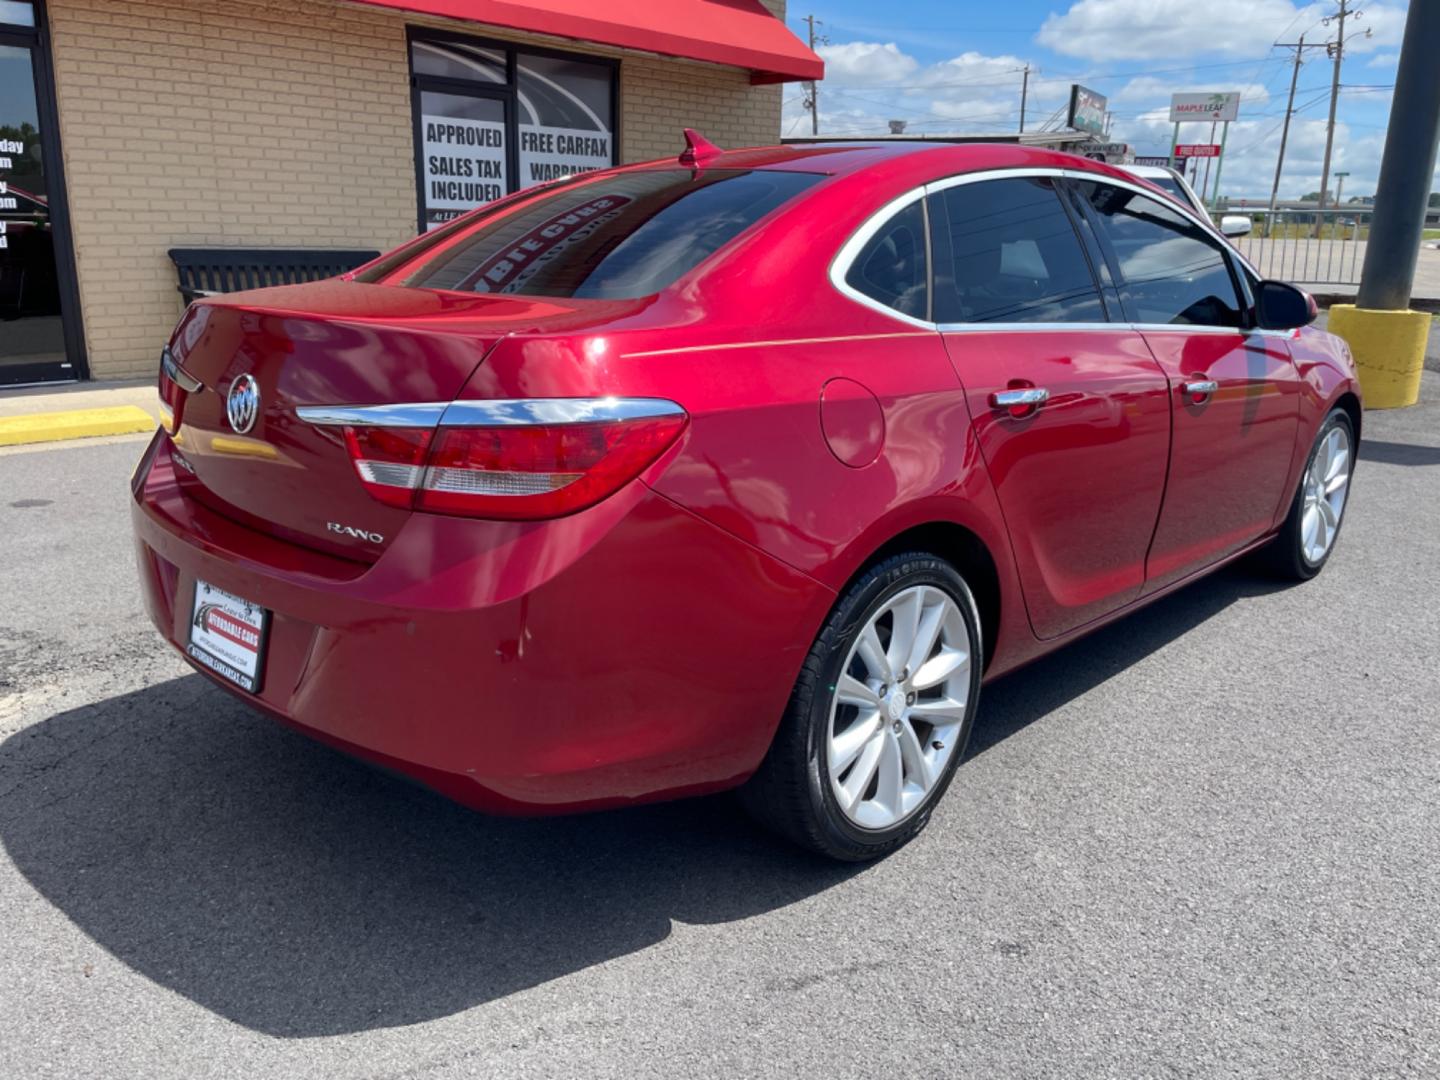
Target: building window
17, 14
490, 119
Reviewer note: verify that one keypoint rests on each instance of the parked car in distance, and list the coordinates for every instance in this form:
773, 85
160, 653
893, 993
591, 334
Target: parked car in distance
1175, 184
744, 470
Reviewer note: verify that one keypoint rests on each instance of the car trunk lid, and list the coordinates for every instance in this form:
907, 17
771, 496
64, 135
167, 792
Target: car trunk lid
331, 343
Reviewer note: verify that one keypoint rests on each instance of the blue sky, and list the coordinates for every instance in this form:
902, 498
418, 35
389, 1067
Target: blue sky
948, 66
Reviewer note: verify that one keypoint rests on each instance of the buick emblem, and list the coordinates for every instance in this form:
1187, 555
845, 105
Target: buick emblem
243, 405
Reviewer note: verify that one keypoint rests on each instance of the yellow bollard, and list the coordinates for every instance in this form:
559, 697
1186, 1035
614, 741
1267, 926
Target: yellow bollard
1389, 350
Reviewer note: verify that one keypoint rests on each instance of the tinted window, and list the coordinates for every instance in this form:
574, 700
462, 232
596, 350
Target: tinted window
1015, 257
1171, 270
1170, 184
892, 268
617, 238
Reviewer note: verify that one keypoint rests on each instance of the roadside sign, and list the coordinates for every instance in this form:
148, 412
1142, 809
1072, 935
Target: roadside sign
1087, 110
1151, 160
1221, 107
1113, 153
1197, 150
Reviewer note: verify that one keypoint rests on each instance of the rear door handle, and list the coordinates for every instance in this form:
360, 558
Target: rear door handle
1034, 396
1199, 387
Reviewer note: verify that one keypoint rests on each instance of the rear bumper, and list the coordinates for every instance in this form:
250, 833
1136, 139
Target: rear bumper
629, 652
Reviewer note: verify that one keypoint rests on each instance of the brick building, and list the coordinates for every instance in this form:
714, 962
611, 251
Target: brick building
130, 127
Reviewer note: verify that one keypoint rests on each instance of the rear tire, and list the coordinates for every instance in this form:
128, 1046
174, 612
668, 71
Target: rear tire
880, 714
1305, 542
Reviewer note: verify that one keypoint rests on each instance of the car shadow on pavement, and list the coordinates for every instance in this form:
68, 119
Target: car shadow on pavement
1038, 689
299, 893
1394, 453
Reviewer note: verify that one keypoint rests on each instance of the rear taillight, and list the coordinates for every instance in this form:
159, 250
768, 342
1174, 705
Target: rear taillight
175, 383
390, 461
514, 459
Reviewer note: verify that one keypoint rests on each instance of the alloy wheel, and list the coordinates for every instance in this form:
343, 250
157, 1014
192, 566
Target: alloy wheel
898, 707
1327, 482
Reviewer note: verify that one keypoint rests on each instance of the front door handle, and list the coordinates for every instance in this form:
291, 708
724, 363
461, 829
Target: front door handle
1029, 397
1199, 389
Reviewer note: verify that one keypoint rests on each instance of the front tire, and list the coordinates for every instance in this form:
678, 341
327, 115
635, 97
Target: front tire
1306, 540
880, 715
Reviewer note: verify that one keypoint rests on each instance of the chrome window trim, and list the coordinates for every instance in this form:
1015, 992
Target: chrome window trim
840, 265
1031, 327
489, 413
844, 259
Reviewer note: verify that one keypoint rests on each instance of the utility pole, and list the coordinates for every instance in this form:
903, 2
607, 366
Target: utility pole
813, 102
1024, 93
1299, 47
1387, 339
1337, 53
1340, 190
1403, 193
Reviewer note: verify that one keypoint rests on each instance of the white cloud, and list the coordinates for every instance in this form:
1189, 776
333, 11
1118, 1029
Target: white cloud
1103, 30
1386, 26
865, 63
1148, 89
1384, 60
1153, 29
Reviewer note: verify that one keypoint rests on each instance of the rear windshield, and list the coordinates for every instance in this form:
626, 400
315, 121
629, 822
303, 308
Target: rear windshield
619, 238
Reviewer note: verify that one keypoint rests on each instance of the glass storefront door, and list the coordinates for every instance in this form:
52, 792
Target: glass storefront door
35, 343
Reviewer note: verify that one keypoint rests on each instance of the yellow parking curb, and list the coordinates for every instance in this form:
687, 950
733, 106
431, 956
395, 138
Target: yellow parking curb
74, 424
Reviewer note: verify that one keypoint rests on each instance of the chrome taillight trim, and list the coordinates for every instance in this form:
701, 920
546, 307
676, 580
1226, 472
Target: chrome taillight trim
556, 411
177, 374
490, 413
417, 415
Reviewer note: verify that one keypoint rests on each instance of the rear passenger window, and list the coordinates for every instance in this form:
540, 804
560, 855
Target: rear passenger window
1013, 256
1171, 270
893, 267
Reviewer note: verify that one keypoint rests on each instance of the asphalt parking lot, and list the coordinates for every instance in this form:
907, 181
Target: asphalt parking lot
1202, 842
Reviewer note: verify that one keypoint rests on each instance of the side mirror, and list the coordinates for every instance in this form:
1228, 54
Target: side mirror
1235, 225
1283, 307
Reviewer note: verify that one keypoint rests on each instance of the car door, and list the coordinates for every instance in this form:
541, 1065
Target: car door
1070, 409
1235, 389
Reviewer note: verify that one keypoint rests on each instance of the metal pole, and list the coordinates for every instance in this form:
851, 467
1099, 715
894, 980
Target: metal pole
814, 86
1330, 125
1205, 184
1403, 193
1284, 135
1174, 142
1220, 164
1024, 93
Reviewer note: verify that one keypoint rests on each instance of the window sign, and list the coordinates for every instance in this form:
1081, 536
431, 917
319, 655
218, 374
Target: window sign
491, 120
564, 118
463, 152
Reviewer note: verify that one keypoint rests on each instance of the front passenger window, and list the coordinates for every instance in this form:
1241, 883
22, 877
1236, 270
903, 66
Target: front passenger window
892, 268
1172, 271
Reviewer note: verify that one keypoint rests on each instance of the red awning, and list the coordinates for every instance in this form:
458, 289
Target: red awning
740, 33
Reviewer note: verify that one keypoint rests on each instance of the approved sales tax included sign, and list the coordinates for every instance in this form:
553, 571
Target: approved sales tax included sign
1197, 150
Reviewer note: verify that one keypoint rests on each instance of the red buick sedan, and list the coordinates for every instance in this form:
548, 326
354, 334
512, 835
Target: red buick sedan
742, 470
